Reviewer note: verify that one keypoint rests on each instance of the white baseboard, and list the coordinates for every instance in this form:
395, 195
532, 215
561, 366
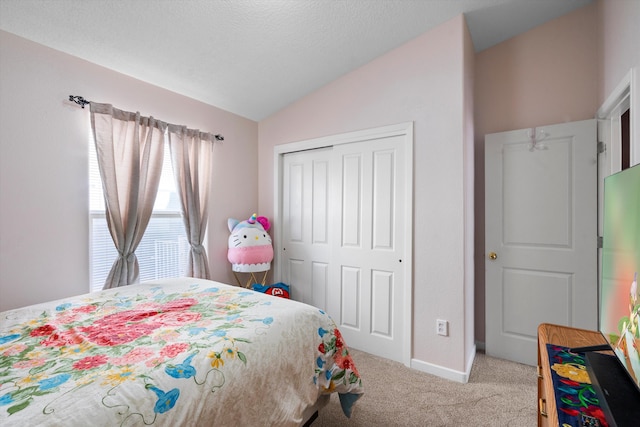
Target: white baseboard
447, 373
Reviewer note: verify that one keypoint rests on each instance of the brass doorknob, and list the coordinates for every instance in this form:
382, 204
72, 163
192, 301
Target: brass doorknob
493, 256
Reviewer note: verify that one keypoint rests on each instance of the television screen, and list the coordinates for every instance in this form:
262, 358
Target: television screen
619, 302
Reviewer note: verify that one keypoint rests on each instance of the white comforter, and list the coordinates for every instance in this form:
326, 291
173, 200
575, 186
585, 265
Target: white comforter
176, 352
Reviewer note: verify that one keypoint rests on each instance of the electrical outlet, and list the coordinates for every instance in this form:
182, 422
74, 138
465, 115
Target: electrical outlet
442, 327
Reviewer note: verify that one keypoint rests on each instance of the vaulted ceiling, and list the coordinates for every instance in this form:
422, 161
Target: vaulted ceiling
254, 57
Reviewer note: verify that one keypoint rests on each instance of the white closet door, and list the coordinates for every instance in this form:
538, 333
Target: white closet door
367, 283
306, 247
344, 233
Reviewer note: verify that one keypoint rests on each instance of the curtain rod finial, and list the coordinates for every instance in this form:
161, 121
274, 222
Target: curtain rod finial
219, 137
78, 100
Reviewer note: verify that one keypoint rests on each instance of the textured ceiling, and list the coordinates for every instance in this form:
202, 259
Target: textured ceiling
254, 57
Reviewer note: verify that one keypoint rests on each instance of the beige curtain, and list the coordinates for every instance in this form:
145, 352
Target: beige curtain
130, 150
191, 155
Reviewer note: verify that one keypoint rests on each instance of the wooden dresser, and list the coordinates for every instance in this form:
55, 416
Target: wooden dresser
563, 336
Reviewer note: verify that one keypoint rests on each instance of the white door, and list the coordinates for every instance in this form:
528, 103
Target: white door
306, 248
367, 282
345, 239
540, 234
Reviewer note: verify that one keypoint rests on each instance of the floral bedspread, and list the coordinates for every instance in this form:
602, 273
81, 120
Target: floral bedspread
175, 352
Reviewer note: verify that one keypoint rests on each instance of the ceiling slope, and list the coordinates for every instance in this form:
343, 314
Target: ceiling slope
254, 57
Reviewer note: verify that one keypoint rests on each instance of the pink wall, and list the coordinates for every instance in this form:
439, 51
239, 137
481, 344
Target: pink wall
422, 81
547, 75
44, 224
619, 43
619, 33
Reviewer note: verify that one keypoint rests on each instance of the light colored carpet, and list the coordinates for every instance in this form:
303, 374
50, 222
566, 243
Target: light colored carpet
499, 393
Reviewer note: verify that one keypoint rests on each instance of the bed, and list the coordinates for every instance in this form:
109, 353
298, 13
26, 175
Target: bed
172, 352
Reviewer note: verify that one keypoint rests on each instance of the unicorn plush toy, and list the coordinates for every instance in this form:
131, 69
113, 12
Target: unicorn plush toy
250, 248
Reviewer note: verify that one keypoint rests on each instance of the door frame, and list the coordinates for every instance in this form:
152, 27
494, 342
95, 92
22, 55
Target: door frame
608, 116
404, 130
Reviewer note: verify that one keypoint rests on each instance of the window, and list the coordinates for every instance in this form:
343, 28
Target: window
164, 249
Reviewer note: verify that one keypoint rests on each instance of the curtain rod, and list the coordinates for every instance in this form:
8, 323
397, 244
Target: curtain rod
82, 102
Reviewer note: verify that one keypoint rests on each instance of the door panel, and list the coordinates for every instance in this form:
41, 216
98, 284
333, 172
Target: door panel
350, 298
295, 198
527, 291
382, 303
319, 279
352, 200
383, 199
530, 187
541, 222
